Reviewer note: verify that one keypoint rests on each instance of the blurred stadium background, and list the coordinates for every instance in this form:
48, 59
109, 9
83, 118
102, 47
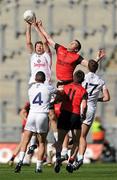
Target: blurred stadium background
94, 23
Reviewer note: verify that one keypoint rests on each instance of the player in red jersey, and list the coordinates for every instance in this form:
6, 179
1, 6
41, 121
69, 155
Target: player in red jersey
67, 57
73, 105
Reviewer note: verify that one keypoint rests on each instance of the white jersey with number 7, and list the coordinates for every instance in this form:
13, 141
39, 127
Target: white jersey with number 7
93, 84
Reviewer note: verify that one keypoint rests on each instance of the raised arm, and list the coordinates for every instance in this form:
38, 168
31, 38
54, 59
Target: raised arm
47, 36
28, 38
43, 38
100, 56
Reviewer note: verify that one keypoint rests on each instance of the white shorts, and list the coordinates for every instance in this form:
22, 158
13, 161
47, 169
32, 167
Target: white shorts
89, 117
37, 122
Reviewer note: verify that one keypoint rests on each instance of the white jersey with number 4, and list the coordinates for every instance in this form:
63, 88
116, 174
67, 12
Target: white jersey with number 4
42, 63
93, 84
39, 97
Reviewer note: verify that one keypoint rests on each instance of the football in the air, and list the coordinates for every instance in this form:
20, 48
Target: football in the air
29, 16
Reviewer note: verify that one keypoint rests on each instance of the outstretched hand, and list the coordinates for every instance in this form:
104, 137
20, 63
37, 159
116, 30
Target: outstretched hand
27, 23
101, 54
39, 23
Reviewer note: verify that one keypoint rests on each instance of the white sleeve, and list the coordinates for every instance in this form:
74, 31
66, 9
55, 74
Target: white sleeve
104, 85
52, 89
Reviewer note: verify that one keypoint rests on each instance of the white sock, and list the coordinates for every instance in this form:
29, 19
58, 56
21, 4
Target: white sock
64, 151
80, 157
39, 164
21, 155
55, 136
33, 140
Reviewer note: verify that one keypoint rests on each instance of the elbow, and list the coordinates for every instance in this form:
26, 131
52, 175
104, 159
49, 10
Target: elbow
45, 42
28, 44
108, 99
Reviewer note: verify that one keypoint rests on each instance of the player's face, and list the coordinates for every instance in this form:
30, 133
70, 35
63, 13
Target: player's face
73, 46
39, 48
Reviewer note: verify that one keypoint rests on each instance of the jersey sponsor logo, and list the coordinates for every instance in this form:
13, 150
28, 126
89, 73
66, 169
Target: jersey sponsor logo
39, 65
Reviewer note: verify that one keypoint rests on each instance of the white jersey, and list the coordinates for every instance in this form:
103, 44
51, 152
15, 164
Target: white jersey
42, 63
40, 96
93, 84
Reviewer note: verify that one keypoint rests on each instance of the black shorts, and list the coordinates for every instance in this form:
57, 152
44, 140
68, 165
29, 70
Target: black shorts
69, 121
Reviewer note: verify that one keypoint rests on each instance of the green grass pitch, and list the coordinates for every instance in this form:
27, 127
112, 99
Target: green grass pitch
94, 171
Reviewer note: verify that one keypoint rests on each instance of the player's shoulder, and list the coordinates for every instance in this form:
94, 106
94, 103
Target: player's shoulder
32, 55
100, 78
59, 46
51, 88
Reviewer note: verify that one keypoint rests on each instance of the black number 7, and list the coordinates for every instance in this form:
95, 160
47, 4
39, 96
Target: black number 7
71, 94
94, 86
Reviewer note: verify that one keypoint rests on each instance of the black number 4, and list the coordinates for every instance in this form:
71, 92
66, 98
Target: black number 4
37, 99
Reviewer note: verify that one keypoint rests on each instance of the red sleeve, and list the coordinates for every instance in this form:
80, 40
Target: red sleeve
57, 46
79, 60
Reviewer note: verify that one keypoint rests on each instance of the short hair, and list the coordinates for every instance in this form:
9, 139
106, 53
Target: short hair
92, 65
79, 45
79, 76
40, 76
38, 42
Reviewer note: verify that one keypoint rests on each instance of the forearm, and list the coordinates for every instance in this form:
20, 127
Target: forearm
28, 38
103, 99
23, 114
100, 55
105, 96
28, 34
47, 36
83, 109
84, 63
100, 99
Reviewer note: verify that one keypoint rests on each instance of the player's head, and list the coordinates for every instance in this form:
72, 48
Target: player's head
74, 46
39, 49
40, 77
79, 76
92, 65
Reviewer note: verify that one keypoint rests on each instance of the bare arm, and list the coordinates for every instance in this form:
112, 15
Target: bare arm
105, 97
43, 38
47, 36
84, 63
100, 56
83, 108
23, 114
28, 38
